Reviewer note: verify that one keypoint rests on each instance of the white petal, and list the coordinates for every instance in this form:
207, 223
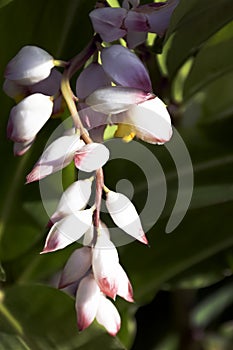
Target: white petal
104, 264
91, 157
68, 230
115, 99
108, 316
151, 121
75, 197
87, 301
125, 215
28, 117
76, 267
55, 157
30, 65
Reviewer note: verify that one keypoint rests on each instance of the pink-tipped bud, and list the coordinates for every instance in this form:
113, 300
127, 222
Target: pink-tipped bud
125, 68
87, 301
68, 230
76, 267
28, 117
125, 215
75, 198
31, 65
104, 264
56, 156
108, 316
91, 157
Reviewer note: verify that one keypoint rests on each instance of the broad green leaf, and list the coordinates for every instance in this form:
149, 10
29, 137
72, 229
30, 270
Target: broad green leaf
210, 63
41, 317
213, 104
193, 22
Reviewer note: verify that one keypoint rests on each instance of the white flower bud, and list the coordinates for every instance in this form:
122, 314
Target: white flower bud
125, 215
108, 316
87, 301
68, 230
31, 65
104, 264
56, 156
28, 117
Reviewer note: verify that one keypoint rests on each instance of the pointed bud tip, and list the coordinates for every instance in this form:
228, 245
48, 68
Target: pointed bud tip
32, 176
143, 239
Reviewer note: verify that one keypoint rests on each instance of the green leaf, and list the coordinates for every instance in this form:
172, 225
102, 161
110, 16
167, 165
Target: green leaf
40, 317
212, 306
4, 3
194, 22
212, 62
213, 104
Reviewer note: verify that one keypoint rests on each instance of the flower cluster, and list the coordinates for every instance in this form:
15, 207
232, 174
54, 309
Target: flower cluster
132, 21
115, 88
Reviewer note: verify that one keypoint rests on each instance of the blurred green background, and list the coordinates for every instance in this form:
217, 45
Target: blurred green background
183, 283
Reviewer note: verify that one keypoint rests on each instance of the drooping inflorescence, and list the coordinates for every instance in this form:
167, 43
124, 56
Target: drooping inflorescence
115, 89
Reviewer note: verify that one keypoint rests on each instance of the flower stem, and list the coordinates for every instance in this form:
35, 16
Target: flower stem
98, 196
75, 63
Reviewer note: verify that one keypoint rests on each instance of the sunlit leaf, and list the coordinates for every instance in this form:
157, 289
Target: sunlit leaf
192, 24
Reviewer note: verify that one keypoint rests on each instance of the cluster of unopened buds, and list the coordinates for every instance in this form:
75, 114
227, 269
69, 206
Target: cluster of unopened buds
114, 89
